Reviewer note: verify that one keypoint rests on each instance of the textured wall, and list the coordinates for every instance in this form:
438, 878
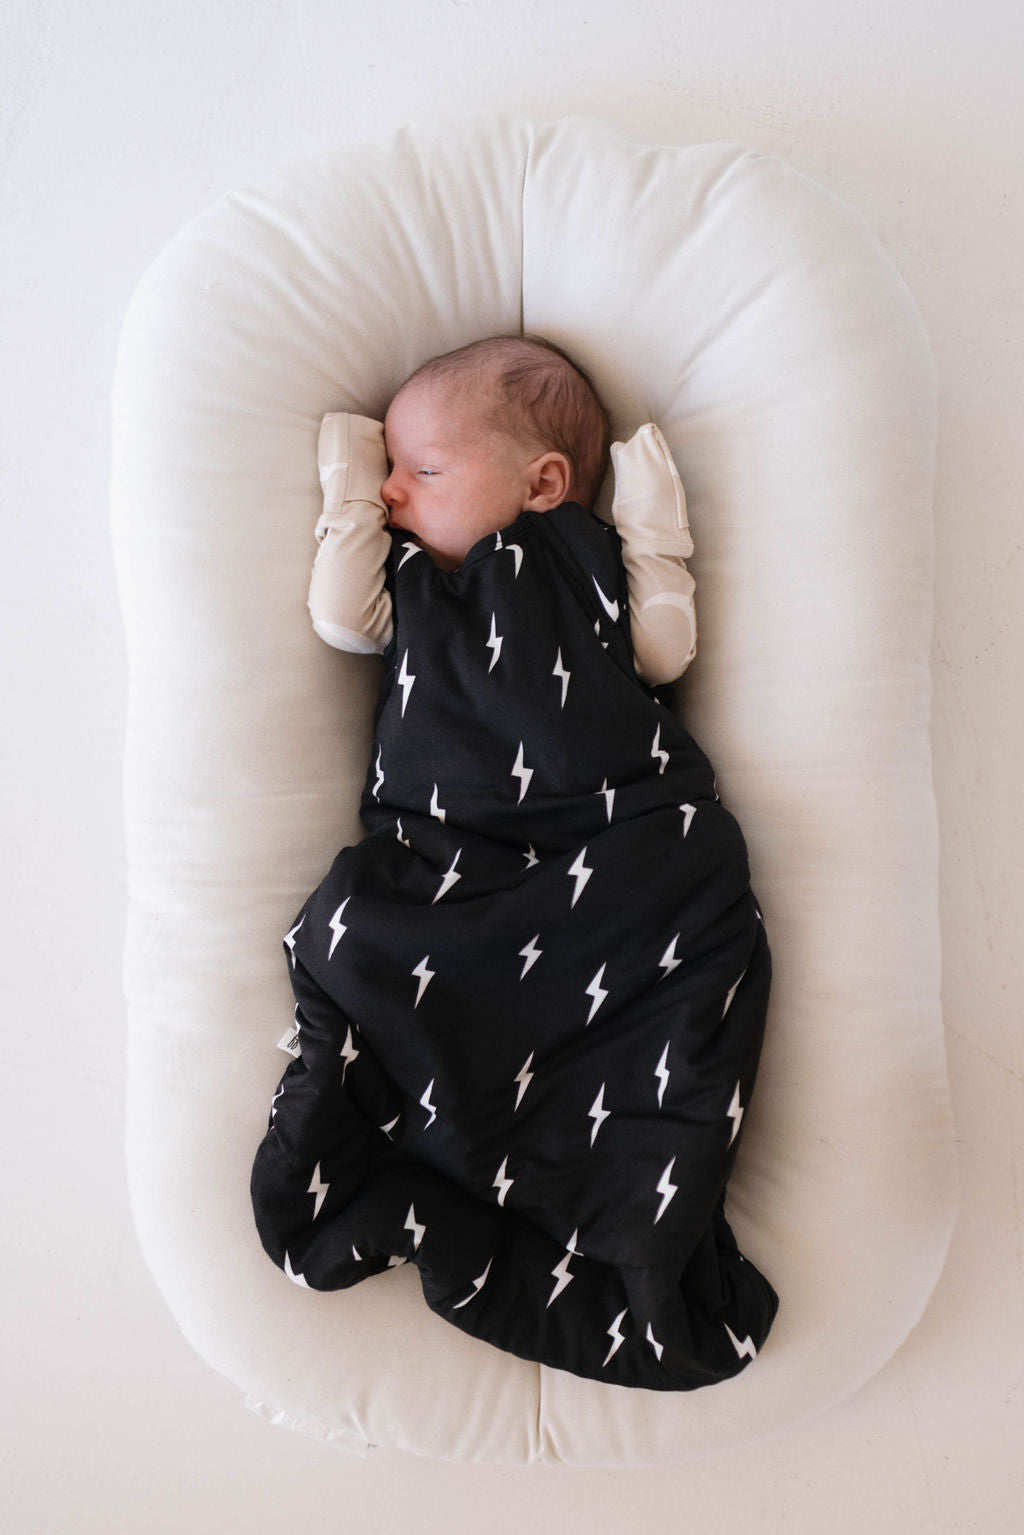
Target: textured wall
119, 121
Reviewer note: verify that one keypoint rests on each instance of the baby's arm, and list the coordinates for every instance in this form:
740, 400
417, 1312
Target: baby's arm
649, 508
348, 601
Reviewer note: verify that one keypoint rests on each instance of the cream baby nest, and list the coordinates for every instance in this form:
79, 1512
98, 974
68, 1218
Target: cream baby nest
756, 319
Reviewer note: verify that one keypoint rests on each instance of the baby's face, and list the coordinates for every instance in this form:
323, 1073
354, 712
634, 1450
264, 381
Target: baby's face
454, 478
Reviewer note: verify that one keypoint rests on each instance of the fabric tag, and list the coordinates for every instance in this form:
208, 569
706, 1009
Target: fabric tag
289, 1043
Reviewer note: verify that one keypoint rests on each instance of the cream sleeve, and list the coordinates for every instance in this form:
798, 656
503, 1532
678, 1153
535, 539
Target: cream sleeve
348, 601
649, 509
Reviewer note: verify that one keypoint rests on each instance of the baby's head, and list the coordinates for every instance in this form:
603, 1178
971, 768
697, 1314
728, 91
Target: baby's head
479, 435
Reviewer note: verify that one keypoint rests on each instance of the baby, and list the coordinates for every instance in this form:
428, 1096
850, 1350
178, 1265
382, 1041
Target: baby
473, 438
530, 1002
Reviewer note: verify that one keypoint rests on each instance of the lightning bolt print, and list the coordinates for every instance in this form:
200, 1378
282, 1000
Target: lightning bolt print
319, 1188
730, 994
669, 959
348, 1053
598, 1113
561, 1273
410, 550
337, 927
580, 873
400, 833
524, 1077
609, 798
501, 1182
735, 1113
597, 993
380, 777
529, 954
450, 879
744, 1350
689, 811
659, 1348
389, 1127
289, 939
531, 857
299, 1279
657, 751
667, 1189
522, 772
416, 1227
478, 1285
618, 1338
424, 976
611, 608
426, 1103
663, 1074
494, 644
559, 671
435, 808
406, 678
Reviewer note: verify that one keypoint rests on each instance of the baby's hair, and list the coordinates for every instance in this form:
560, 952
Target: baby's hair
541, 395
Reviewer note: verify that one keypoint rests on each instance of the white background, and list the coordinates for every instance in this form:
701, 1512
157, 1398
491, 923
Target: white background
121, 119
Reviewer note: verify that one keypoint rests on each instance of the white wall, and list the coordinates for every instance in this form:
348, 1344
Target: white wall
122, 118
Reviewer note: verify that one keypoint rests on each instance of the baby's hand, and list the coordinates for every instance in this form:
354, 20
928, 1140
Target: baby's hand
649, 500
353, 460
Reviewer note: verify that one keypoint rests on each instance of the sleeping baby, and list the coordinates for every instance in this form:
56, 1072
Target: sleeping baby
530, 1002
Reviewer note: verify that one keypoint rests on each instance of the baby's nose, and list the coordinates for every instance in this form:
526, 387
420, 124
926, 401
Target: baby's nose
390, 493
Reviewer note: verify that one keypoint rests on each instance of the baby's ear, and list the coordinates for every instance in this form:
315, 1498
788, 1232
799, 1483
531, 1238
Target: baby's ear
548, 481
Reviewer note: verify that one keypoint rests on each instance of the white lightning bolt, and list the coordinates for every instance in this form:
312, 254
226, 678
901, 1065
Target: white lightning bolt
597, 631
522, 772
745, 1349
289, 939
478, 1285
689, 811
558, 670
501, 1182
597, 992
618, 1338
598, 1113
450, 879
406, 678
410, 550
662, 1072
279, 1094
659, 1348
494, 643
387, 1129
668, 960
735, 1113
337, 927
319, 1188
400, 832
730, 994
299, 1279
611, 608
609, 798
658, 752
380, 776
357, 1255
561, 1273
524, 1077
418, 1230
531, 857
425, 1101
435, 808
425, 977
530, 954
580, 873
517, 554
348, 1053
667, 1189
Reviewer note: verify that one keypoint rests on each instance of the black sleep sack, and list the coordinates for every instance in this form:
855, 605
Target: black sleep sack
530, 1003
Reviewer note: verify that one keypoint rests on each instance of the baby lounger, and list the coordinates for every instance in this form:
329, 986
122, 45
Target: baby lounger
753, 316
